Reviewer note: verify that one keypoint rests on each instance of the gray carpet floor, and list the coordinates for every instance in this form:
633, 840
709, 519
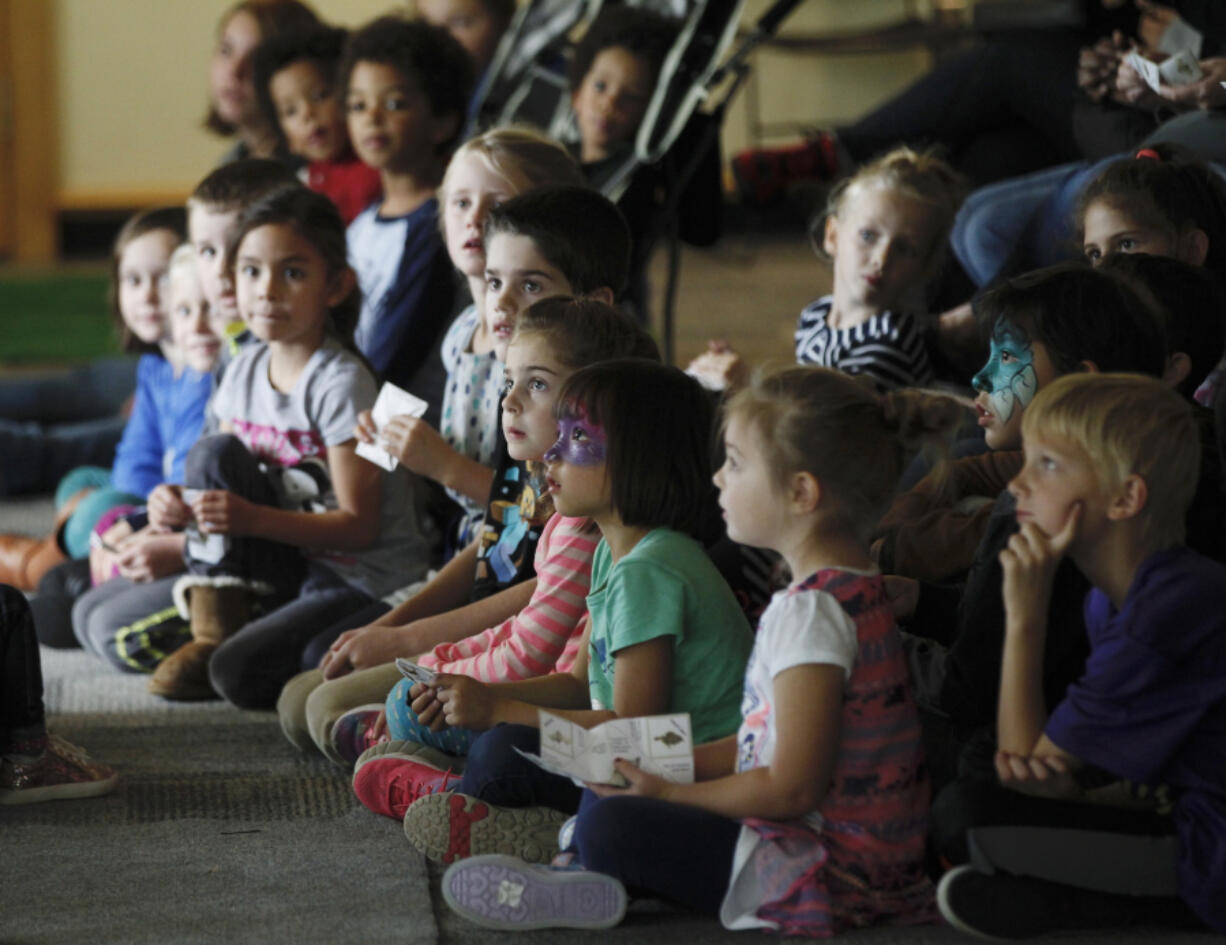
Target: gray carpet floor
220, 831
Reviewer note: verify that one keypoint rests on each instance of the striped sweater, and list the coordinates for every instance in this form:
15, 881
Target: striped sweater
545, 636
888, 348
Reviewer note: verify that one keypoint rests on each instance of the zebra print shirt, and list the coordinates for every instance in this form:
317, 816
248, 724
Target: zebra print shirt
888, 348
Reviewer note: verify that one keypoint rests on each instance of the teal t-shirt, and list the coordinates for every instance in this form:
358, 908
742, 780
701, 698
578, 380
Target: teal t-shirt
667, 586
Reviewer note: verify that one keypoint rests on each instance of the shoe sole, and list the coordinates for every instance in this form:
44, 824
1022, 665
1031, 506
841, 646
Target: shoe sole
59, 792
503, 893
434, 825
410, 751
950, 915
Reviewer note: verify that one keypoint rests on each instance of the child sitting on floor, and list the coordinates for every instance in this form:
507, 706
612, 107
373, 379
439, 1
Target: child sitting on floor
295, 83
1111, 467
810, 820
407, 86
884, 231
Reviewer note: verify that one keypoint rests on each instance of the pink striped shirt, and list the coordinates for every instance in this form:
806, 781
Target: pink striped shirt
545, 636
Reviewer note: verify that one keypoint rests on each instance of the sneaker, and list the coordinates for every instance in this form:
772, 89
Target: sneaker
763, 175
501, 892
390, 776
451, 826
1002, 906
63, 772
353, 733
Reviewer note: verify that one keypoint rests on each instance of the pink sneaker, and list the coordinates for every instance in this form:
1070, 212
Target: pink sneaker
353, 732
390, 776
63, 772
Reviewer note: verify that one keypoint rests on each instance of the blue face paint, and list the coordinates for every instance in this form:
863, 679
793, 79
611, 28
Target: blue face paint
1008, 378
580, 443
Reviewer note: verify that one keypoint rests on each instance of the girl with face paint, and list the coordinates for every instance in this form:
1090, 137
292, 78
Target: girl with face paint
665, 632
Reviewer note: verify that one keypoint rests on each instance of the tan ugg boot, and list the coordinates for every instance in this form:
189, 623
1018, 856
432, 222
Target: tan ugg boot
216, 611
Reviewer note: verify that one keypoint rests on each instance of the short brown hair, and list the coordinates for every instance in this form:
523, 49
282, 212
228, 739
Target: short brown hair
584, 331
1127, 424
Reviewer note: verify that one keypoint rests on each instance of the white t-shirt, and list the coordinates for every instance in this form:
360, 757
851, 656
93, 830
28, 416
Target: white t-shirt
796, 629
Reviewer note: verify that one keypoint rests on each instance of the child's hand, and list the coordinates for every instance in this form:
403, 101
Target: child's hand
1040, 776
719, 367
425, 704
467, 703
641, 783
1204, 93
167, 510
150, 555
366, 431
417, 445
219, 512
104, 551
1029, 562
364, 647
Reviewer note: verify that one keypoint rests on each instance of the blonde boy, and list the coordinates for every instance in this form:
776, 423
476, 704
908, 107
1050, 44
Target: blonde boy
1111, 464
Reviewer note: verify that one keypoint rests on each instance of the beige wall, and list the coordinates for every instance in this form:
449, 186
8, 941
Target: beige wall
131, 89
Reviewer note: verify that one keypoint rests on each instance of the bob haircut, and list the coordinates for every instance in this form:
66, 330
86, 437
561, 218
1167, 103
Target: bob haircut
658, 425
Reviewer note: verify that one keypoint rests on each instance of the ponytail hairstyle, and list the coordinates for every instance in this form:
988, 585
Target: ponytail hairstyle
580, 332
171, 219
658, 425
315, 218
1163, 187
852, 441
920, 175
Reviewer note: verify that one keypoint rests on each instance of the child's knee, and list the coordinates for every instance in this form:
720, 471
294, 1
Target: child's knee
293, 708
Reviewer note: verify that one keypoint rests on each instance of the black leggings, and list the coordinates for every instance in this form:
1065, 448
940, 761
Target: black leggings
21, 695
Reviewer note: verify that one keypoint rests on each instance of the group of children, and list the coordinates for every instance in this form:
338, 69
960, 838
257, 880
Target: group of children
1026, 632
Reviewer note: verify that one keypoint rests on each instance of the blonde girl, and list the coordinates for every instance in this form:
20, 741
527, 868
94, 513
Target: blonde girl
485, 171
811, 819
884, 231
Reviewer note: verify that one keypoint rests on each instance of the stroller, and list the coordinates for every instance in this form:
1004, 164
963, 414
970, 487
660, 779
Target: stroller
526, 83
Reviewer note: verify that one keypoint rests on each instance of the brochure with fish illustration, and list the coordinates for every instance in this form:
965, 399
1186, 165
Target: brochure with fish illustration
659, 744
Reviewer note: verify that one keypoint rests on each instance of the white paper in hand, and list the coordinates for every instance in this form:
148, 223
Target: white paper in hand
1146, 69
391, 402
1181, 69
418, 674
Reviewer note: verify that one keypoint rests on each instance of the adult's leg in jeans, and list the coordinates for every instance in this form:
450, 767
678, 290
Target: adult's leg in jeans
22, 716
93, 391
1201, 132
250, 668
498, 774
34, 458
1029, 78
992, 219
680, 853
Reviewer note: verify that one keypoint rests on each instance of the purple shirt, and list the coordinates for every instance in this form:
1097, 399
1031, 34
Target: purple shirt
1151, 706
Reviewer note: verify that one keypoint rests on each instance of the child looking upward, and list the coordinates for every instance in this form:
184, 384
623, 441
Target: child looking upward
295, 83
1111, 467
407, 86
810, 819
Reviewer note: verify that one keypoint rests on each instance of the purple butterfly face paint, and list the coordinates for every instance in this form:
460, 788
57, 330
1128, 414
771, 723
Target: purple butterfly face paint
580, 443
